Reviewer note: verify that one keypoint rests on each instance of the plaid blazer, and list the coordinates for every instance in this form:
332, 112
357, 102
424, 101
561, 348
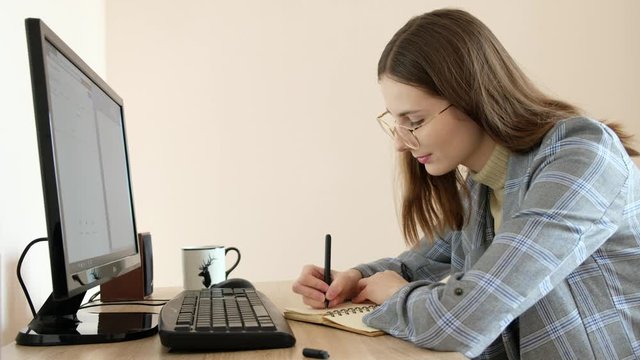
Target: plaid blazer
558, 280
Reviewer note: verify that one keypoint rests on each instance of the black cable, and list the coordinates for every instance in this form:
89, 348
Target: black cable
18, 269
122, 303
93, 297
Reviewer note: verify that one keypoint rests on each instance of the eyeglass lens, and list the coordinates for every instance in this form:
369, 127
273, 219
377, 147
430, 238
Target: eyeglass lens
406, 136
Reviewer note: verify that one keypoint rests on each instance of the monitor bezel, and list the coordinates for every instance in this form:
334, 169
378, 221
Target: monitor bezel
70, 279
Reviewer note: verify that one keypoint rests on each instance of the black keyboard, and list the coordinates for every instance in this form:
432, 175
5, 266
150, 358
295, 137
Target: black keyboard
222, 319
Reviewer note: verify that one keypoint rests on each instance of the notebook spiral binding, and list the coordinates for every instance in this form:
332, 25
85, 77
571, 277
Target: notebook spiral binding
351, 310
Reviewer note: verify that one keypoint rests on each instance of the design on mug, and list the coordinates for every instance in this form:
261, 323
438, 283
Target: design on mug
204, 272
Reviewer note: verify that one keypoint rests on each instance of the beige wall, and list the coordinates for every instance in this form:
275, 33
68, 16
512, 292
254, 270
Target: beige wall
81, 24
251, 123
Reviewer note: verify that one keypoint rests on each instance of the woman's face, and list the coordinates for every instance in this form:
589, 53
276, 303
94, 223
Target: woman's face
446, 140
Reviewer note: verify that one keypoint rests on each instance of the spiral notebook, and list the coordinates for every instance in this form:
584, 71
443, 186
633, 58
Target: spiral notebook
347, 316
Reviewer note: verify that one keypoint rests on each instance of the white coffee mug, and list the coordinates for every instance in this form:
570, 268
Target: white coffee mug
203, 266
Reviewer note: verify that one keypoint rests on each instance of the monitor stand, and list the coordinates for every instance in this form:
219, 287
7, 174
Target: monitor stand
58, 323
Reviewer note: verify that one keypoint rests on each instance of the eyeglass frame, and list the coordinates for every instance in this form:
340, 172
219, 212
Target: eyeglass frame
391, 131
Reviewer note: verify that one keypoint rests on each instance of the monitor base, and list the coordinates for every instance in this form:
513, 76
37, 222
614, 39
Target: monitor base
90, 328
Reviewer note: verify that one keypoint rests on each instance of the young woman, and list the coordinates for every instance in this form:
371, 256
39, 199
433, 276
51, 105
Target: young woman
540, 237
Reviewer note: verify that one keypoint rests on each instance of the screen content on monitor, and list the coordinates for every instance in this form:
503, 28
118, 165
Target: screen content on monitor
91, 164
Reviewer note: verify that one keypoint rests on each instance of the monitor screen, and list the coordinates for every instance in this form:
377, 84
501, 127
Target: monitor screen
90, 158
84, 166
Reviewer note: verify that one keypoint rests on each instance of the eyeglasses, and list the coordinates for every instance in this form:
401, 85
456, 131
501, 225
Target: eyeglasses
390, 126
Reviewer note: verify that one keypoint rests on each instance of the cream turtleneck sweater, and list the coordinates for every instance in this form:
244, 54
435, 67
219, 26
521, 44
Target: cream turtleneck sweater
492, 175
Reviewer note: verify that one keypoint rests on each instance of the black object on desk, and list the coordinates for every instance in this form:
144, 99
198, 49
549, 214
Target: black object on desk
222, 319
315, 353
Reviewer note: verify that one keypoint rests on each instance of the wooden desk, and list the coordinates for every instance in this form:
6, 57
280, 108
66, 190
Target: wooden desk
340, 344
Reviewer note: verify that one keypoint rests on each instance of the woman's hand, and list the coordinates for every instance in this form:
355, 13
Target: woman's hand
379, 287
315, 291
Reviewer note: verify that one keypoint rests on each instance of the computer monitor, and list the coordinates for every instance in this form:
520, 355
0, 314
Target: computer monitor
84, 165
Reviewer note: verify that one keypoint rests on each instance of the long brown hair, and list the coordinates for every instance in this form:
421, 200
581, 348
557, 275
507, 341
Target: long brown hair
454, 55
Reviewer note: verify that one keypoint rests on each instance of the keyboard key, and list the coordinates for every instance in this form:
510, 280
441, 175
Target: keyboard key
260, 311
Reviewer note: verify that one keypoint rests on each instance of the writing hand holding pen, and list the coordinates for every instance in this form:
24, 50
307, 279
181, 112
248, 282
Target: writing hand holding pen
310, 284
345, 286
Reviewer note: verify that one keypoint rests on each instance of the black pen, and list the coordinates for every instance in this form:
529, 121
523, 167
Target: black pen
327, 264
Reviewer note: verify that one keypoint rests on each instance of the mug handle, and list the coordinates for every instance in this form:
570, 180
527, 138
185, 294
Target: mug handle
237, 260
